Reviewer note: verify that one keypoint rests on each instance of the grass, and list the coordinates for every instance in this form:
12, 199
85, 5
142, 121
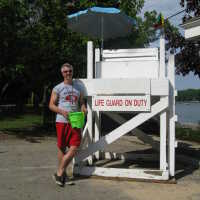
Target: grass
20, 121
23, 122
188, 134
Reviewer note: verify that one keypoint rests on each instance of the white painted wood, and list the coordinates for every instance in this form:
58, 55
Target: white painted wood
89, 101
163, 135
162, 57
140, 135
90, 125
97, 127
121, 103
192, 33
159, 87
123, 129
97, 113
116, 86
128, 73
172, 116
85, 130
90, 59
122, 173
128, 69
171, 150
192, 28
131, 157
97, 59
132, 54
142, 86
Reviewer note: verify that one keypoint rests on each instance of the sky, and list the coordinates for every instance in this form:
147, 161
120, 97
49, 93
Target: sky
168, 8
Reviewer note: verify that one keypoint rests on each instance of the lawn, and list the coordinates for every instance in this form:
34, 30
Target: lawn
20, 121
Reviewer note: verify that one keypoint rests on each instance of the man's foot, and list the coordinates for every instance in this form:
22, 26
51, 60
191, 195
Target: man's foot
58, 179
66, 180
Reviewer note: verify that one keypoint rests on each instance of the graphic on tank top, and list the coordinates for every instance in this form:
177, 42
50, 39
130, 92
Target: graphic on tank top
68, 99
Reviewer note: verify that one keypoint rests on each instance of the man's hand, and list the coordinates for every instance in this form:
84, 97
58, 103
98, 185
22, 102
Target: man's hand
64, 113
84, 109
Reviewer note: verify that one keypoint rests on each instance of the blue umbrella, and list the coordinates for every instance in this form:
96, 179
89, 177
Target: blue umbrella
101, 23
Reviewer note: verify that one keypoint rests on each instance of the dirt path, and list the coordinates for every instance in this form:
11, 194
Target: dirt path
26, 166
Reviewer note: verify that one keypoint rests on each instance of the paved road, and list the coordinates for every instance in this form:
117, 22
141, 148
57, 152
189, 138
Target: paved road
26, 166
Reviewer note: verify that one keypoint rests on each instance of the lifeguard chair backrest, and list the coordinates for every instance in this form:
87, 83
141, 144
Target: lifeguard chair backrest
129, 63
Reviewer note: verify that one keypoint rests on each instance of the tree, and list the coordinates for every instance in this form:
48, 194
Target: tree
35, 40
187, 52
13, 16
192, 8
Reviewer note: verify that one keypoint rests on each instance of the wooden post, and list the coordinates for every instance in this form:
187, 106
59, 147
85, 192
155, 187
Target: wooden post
163, 115
97, 113
163, 136
162, 57
89, 100
172, 116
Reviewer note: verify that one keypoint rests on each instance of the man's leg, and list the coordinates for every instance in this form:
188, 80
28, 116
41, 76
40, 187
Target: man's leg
61, 153
66, 160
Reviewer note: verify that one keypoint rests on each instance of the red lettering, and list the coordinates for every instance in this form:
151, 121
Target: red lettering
114, 102
99, 102
128, 102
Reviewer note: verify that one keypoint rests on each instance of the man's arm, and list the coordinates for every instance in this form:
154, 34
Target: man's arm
53, 105
83, 104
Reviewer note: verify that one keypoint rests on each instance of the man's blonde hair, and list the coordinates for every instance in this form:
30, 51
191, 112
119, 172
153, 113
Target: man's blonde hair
66, 65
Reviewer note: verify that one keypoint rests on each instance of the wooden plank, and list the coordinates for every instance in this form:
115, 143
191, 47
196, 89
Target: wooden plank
138, 133
123, 129
97, 59
192, 33
142, 86
131, 156
162, 58
97, 126
89, 59
159, 87
125, 173
114, 86
133, 53
128, 69
121, 103
90, 125
172, 116
163, 140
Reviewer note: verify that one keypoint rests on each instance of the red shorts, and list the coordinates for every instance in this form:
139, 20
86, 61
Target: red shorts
67, 136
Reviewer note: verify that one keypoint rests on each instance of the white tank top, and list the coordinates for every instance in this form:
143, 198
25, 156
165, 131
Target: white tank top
68, 99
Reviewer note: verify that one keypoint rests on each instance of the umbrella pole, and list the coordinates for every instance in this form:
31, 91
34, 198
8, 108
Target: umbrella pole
101, 50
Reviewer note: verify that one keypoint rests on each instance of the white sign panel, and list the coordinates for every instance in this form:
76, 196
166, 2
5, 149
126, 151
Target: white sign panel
121, 103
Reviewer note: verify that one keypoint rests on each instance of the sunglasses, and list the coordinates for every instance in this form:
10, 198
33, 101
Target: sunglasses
67, 71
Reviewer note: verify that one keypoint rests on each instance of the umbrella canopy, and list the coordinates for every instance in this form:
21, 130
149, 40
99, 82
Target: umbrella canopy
102, 23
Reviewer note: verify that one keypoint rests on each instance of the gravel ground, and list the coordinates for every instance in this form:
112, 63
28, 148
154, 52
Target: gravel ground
27, 165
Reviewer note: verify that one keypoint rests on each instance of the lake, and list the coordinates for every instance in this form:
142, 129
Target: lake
188, 112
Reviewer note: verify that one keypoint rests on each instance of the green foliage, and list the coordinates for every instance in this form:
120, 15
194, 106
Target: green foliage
20, 122
189, 95
186, 52
192, 8
188, 134
35, 42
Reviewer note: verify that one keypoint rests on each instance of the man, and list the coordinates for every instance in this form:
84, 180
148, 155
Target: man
65, 98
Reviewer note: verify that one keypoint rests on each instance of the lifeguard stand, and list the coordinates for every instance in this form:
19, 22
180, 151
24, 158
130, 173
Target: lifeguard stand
127, 80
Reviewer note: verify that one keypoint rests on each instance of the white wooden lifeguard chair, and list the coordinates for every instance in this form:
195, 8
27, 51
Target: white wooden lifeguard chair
126, 80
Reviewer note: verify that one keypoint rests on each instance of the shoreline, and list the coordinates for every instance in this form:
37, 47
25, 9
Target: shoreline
188, 125
187, 102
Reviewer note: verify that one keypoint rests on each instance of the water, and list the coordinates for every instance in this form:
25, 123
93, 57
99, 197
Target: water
188, 112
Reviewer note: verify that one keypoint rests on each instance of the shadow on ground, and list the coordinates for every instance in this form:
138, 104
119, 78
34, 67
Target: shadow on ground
31, 134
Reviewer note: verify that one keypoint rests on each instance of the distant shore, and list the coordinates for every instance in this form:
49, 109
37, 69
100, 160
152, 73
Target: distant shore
191, 125
187, 101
